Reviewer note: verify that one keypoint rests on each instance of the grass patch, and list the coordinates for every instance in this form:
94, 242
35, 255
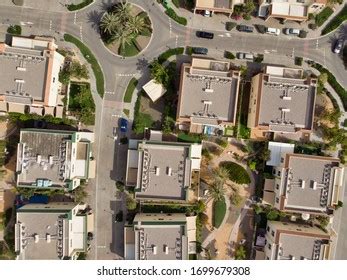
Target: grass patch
14, 29
130, 90
141, 120
126, 112
189, 138
172, 14
75, 7
236, 172
323, 16
244, 131
170, 52
336, 21
129, 49
219, 210
88, 55
81, 103
333, 82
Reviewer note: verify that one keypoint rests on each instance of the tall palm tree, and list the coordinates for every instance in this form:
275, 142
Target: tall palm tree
109, 23
217, 191
122, 10
137, 24
221, 173
123, 36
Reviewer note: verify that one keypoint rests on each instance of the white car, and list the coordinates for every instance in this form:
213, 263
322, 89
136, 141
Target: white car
272, 31
292, 31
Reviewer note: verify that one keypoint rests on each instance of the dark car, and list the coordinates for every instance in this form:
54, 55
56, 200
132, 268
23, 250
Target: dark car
338, 46
123, 125
200, 50
245, 28
203, 34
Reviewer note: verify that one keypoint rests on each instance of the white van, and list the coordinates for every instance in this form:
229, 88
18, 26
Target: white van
273, 31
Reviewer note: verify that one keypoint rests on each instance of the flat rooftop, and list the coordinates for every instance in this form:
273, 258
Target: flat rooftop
221, 4
286, 103
209, 91
164, 171
23, 74
46, 156
161, 236
310, 181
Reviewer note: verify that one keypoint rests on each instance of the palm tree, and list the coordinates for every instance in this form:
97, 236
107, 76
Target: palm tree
136, 25
109, 23
217, 190
221, 173
159, 73
240, 253
123, 37
122, 11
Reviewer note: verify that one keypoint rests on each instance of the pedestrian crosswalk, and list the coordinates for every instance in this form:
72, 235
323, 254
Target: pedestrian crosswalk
125, 75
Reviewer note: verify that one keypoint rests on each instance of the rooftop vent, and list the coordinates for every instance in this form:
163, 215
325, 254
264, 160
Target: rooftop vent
166, 249
154, 249
303, 184
157, 171
48, 238
21, 68
285, 110
287, 98
169, 171
314, 186
38, 159
36, 238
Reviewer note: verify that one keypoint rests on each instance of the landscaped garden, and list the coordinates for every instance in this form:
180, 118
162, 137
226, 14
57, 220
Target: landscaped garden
125, 29
219, 210
130, 90
75, 7
81, 103
336, 21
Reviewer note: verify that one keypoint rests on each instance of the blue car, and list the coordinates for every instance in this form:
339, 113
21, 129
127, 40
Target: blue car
123, 125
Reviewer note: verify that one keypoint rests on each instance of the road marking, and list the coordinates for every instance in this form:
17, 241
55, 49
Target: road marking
50, 25
176, 43
101, 246
293, 53
110, 92
125, 75
317, 44
170, 26
81, 35
75, 18
221, 35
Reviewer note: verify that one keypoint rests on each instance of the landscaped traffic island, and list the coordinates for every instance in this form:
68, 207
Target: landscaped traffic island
125, 29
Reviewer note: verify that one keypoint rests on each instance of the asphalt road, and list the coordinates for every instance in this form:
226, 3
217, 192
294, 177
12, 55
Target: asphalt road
167, 34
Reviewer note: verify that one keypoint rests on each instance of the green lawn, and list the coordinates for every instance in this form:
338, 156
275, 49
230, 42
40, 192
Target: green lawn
75, 7
141, 120
237, 173
129, 49
170, 52
190, 138
126, 112
89, 56
219, 210
336, 21
323, 16
130, 90
81, 103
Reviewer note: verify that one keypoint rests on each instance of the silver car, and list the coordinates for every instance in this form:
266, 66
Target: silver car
338, 46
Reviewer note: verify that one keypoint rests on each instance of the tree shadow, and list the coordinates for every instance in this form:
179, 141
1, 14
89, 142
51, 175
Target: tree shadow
94, 18
142, 64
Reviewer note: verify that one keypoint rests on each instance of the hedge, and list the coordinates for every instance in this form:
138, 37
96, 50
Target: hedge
229, 55
88, 55
323, 15
336, 21
75, 7
14, 29
335, 85
230, 25
219, 210
298, 60
172, 14
170, 52
130, 90
236, 172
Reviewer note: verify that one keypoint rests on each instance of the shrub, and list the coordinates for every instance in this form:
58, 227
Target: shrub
189, 50
298, 60
229, 55
236, 199
240, 253
303, 34
81, 103
336, 21
176, 3
236, 172
339, 204
14, 29
312, 26
130, 90
88, 55
170, 52
75, 7
131, 203
261, 28
323, 15
345, 123
172, 14
219, 210
221, 142
230, 25
259, 58
246, 17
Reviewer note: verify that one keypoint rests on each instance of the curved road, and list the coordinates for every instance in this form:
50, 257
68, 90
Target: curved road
167, 34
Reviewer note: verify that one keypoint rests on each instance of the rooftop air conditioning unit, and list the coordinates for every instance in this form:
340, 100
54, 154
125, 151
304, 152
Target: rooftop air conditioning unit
154, 249
169, 171
36, 238
48, 238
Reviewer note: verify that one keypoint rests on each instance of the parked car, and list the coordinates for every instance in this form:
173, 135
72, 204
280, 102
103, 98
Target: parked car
123, 125
242, 55
245, 28
204, 34
199, 50
338, 46
292, 31
272, 31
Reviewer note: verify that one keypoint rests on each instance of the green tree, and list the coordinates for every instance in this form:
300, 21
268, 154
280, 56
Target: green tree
79, 70
217, 191
248, 7
131, 203
137, 25
109, 23
323, 78
159, 73
203, 218
240, 253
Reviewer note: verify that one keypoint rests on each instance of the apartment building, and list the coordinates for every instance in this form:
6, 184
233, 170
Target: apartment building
48, 159
294, 10
29, 76
163, 170
305, 184
208, 96
53, 231
217, 6
282, 101
289, 241
160, 237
